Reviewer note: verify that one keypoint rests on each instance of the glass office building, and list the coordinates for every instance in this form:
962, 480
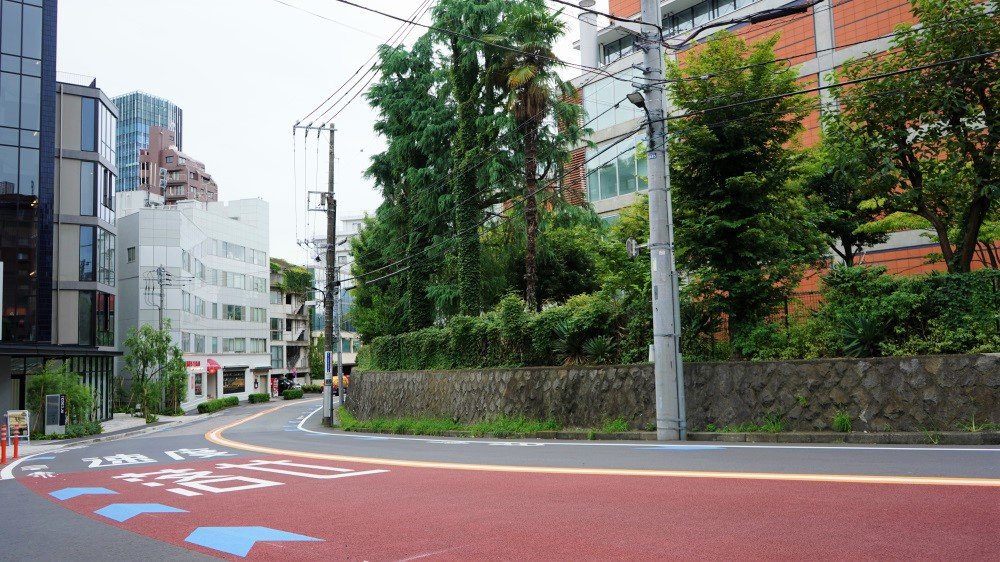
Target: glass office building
139, 112
27, 129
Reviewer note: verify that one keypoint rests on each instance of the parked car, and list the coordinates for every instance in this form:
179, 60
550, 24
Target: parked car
286, 383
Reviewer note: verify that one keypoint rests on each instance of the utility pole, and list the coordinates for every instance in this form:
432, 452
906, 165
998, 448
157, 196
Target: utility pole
340, 346
330, 208
670, 424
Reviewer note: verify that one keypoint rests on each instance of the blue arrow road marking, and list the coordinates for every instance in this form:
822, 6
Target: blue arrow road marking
239, 540
682, 448
125, 511
70, 493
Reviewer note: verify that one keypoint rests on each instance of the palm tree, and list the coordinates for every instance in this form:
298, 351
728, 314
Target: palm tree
542, 107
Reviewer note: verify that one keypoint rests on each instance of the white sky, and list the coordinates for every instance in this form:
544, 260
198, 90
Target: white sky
243, 72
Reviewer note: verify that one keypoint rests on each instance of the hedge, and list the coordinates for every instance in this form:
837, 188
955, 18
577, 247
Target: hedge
218, 404
292, 393
312, 388
257, 398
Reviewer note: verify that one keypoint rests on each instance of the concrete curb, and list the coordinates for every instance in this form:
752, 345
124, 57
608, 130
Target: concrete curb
888, 438
121, 434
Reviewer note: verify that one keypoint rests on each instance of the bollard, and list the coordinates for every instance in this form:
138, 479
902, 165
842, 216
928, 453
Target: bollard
17, 439
3, 444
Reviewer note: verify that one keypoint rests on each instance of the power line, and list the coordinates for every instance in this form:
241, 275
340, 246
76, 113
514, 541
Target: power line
331, 20
391, 39
478, 40
831, 86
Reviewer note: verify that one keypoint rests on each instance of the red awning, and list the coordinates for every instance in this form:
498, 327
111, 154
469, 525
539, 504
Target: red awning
213, 366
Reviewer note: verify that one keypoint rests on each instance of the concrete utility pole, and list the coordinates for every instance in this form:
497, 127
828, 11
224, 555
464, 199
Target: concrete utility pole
331, 270
340, 346
670, 419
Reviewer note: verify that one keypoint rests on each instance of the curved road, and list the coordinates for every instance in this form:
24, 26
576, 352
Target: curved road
268, 482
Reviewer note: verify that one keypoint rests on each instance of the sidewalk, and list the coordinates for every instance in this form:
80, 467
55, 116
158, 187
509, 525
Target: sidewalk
120, 426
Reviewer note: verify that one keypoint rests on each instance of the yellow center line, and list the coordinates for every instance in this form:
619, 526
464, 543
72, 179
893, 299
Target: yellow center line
215, 436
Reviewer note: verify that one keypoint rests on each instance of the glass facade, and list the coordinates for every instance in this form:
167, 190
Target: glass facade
139, 112
701, 13
27, 114
618, 171
97, 255
96, 318
600, 99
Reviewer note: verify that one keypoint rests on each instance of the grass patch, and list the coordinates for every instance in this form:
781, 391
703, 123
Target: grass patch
500, 427
842, 422
972, 426
771, 423
618, 425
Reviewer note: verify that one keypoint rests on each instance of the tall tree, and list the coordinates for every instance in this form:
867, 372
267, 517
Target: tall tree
417, 120
742, 228
838, 178
540, 103
156, 366
928, 109
478, 99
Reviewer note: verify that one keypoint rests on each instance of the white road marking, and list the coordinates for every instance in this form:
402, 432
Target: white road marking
439, 441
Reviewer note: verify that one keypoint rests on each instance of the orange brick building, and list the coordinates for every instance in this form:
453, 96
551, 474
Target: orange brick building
815, 42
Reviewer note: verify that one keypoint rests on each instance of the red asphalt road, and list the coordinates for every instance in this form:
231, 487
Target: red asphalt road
444, 514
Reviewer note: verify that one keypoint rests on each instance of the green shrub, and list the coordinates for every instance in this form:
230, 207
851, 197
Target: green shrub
258, 398
218, 404
292, 393
72, 431
313, 388
58, 379
615, 426
842, 422
152, 418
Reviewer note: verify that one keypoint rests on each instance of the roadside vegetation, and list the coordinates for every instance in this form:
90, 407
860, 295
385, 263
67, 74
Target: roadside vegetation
481, 257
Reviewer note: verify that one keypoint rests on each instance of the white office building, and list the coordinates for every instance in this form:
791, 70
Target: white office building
350, 342
214, 281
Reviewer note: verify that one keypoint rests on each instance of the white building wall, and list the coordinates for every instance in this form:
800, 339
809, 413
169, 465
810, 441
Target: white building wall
179, 238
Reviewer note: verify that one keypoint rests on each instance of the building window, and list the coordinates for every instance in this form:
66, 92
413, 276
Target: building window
215, 344
605, 104
105, 257
88, 126
615, 172
199, 344
275, 297
277, 357
105, 329
233, 312
86, 319
185, 342
198, 387
276, 329
258, 315
130, 252
618, 49
87, 253
233, 382
234, 345
215, 310
258, 345
169, 160
88, 183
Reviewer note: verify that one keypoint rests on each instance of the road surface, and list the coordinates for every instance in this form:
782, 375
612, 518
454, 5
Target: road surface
268, 482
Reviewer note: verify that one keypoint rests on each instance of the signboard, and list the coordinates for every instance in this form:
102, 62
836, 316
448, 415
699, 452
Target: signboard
274, 387
22, 420
328, 363
55, 414
192, 363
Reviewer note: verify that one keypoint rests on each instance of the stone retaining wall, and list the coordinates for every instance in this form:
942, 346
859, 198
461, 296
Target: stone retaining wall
897, 393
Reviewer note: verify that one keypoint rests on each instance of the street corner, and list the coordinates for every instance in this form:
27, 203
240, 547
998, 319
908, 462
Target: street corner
227, 506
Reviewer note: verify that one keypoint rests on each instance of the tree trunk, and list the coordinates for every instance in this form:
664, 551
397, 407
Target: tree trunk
972, 223
531, 216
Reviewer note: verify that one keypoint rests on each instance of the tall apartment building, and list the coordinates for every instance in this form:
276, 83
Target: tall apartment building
57, 221
139, 113
165, 170
289, 328
214, 260
815, 43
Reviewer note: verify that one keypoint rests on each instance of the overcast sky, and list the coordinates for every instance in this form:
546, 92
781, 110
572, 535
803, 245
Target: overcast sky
244, 72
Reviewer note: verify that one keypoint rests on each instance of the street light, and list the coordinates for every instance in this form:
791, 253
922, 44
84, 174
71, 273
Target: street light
637, 100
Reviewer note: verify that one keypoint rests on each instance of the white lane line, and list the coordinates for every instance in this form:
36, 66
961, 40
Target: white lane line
634, 444
8, 471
